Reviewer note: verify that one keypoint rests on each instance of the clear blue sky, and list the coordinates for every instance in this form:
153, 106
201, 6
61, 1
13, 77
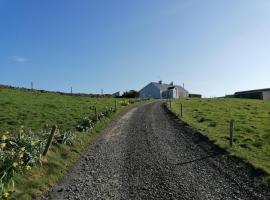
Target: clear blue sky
215, 47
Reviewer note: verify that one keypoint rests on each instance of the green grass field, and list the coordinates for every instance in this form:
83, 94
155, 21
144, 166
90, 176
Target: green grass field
34, 110
252, 121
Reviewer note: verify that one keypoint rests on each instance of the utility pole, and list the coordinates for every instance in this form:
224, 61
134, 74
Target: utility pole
32, 85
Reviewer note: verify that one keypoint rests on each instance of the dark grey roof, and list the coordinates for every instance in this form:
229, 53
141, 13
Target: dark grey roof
253, 91
164, 86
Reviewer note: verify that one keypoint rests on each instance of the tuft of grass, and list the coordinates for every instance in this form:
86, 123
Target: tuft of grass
252, 127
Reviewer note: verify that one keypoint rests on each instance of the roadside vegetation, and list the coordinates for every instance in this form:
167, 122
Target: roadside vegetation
252, 126
26, 119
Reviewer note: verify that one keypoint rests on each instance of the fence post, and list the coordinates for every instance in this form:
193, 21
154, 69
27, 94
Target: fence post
170, 103
50, 139
181, 110
231, 132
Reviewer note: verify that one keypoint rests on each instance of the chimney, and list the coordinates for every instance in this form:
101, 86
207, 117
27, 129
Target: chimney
171, 83
160, 82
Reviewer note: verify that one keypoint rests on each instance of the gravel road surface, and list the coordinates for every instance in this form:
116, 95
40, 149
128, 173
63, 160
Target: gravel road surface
148, 154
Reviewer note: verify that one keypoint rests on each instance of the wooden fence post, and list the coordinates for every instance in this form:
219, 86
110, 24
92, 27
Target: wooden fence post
50, 139
231, 132
181, 110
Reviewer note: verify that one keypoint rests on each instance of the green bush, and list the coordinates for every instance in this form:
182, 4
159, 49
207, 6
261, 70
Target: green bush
124, 103
65, 137
87, 123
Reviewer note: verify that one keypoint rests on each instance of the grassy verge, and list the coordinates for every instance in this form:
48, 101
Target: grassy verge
252, 132
58, 162
34, 110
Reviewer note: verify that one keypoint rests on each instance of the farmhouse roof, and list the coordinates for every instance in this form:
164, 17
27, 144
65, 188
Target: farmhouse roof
252, 91
164, 86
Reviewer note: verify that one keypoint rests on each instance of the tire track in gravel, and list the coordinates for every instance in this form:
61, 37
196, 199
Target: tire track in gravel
147, 154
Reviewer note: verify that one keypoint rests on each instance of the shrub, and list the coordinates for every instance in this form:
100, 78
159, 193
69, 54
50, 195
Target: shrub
108, 112
124, 103
88, 123
66, 137
85, 124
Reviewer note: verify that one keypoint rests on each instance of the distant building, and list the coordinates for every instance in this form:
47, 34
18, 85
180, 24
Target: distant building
263, 94
117, 94
195, 96
163, 91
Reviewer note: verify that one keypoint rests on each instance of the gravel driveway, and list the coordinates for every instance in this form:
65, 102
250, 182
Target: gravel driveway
147, 154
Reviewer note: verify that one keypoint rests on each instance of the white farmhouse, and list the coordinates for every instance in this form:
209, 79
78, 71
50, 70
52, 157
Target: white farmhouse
163, 91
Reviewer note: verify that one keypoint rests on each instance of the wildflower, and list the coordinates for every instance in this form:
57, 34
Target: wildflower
5, 195
4, 138
22, 148
14, 165
21, 155
21, 133
27, 167
3, 145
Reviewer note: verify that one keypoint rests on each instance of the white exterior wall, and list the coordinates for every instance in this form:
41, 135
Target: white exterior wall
266, 95
150, 91
181, 93
177, 93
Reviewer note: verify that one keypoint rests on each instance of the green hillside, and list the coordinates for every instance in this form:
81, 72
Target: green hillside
34, 109
252, 121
